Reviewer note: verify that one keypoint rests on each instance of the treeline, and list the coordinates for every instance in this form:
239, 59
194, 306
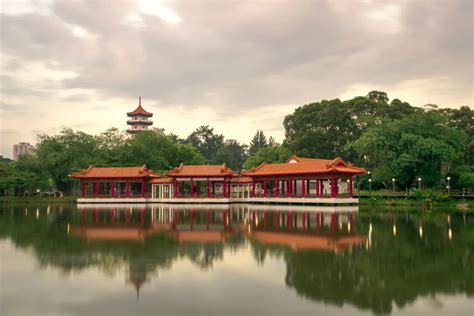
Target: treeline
393, 140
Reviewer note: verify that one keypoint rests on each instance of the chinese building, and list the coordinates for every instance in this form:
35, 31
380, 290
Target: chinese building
21, 149
297, 181
139, 119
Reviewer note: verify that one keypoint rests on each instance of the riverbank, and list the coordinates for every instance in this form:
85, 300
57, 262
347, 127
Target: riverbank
38, 199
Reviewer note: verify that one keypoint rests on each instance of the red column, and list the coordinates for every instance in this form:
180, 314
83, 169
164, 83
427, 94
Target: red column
264, 188
82, 188
191, 190
207, 188
97, 189
289, 187
113, 188
253, 187
350, 187
175, 189
317, 188
295, 187
229, 191
303, 188
224, 188
127, 189
143, 188
333, 187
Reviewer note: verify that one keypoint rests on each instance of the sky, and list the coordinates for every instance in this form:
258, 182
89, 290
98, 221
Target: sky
237, 66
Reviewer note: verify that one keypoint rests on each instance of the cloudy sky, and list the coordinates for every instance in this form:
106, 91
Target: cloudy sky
235, 65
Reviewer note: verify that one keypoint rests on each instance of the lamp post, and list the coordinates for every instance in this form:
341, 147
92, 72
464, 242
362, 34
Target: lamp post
393, 184
449, 185
419, 183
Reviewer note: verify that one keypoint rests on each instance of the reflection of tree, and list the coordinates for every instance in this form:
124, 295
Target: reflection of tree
395, 270
48, 238
203, 256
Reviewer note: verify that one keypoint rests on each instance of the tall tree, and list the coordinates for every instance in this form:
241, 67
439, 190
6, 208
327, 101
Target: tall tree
258, 142
208, 143
233, 154
270, 154
418, 145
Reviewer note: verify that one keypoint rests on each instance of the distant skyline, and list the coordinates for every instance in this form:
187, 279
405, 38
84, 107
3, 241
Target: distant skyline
237, 66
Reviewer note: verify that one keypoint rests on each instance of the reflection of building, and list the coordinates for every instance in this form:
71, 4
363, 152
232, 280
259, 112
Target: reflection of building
304, 230
297, 181
21, 149
139, 119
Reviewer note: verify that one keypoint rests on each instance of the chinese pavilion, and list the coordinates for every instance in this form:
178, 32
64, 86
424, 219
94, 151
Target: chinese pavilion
139, 118
298, 180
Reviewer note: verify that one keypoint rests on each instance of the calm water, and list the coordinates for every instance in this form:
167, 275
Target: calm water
237, 260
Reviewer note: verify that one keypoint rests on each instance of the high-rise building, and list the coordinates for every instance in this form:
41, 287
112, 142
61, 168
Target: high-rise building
139, 119
21, 149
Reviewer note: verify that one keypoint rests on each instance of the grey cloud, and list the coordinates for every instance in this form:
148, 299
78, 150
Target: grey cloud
249, 55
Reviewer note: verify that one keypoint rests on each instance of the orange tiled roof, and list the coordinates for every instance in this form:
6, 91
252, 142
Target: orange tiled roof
200, 171
115, 172
240, 179
161, 181
298, 165
140, 111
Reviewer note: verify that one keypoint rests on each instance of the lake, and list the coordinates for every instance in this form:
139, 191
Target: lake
234, 260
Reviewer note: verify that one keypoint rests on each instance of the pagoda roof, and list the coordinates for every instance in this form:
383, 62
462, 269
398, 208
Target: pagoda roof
200, 171
297, 165
140, 111
93, 172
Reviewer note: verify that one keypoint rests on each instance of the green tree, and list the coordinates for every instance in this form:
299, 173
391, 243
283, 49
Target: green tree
258, 142
208, 143
276, 153
232, 154
415, 146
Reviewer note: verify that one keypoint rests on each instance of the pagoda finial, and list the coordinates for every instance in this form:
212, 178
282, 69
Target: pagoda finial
140, 100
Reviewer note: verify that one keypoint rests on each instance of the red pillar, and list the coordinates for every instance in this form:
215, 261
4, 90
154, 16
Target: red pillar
264, 188
127, 189
307, 187
191, 190
333, 187
224, 187
113, 188
350, 187
82, 188
303, 188
277, 188
97, 189
289, 187
207, 190
253, 187
143, 188
175, 189
317, 188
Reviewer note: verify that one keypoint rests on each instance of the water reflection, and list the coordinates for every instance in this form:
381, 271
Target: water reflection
373, 262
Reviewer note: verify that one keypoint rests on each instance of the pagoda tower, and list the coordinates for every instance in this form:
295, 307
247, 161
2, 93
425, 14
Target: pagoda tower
139, 119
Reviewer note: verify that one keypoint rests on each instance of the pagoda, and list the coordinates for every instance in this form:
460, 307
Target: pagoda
139, 119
